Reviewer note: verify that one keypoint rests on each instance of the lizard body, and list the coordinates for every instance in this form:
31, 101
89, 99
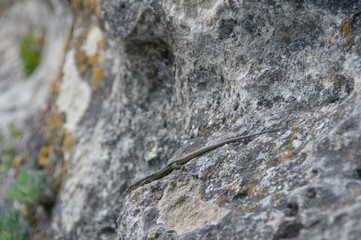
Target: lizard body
186, 158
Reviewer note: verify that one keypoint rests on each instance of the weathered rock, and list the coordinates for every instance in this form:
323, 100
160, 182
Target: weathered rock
179, 75
211, 69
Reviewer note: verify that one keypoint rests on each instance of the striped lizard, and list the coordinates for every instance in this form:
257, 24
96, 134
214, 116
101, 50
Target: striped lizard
178, 163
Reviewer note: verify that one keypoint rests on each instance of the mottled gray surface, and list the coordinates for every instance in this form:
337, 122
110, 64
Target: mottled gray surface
230, 67
183, 74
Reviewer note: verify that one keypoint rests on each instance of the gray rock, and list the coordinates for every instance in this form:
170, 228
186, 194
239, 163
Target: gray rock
179, 75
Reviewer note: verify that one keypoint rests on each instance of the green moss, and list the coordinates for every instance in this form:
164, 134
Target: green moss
30, 50
27, 188
11, 226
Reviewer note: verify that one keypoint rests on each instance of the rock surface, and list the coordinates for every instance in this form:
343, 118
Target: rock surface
147, 81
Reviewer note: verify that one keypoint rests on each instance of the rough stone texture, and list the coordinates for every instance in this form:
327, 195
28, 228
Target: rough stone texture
178, 75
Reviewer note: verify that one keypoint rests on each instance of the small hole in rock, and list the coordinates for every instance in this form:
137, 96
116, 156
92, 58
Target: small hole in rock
311, 193
291, 209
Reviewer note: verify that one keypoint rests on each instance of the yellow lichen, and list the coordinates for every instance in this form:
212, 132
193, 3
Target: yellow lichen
202, 132
54, 121
289, 146
86, 6
247, 207
286, 156
67, 141
80, 56
345, 27
101, 43
82, 69
345, 32
283, 35
334, 80
274, 197
92, 60
228, 85
277, 150
53, 126
257, 175
43, 156
97, 75
250, 188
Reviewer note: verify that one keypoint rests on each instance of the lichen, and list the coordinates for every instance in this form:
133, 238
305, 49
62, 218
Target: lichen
286, 156
43, 156
345, 29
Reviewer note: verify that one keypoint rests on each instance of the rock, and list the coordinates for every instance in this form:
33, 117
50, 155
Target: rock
157, 79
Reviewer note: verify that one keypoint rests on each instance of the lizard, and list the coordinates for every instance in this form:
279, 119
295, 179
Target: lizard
178, 163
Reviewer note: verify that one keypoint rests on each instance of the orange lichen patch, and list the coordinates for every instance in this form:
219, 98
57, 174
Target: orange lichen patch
286, 156
53, 126
96, 75
43, 156
230, 187
67, 141
54, 121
